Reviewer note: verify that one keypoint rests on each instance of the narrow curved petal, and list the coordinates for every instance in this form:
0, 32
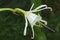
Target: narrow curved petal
31, 6
45, 22
32, 32
26, 25
42, 9
49, 8
41, 6
45, 8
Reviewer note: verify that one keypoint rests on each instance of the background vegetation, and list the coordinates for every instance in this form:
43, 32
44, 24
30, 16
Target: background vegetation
12, 26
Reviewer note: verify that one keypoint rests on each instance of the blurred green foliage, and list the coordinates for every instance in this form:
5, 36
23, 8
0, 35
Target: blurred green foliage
12, 26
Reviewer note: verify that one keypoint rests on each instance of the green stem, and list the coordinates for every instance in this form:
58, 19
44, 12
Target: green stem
5, 9
21, 10
14, 10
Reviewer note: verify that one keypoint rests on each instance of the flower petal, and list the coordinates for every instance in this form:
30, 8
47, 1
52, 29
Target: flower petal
32, 32
31, 6
42, 9
45, 22
26, 25
41, 6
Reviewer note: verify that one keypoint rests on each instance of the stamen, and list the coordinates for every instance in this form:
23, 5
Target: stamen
50, 29
47, 27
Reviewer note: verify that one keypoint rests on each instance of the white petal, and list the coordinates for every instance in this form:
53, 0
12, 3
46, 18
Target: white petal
42, 9
26, 25
32, 32
41, 6
45, 22
45, 8
31, 6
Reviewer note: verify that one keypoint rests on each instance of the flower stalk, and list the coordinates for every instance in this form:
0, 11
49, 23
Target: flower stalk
13, 10
6, 9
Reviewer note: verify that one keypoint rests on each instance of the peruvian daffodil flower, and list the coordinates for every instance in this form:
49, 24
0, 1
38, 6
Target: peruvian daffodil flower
33, 18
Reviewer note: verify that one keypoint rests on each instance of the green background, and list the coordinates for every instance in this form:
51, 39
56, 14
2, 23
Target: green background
12, 26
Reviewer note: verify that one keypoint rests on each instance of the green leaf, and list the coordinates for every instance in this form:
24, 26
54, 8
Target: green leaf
39, 34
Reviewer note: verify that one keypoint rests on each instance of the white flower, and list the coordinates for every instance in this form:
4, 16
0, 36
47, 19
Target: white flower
33, 18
